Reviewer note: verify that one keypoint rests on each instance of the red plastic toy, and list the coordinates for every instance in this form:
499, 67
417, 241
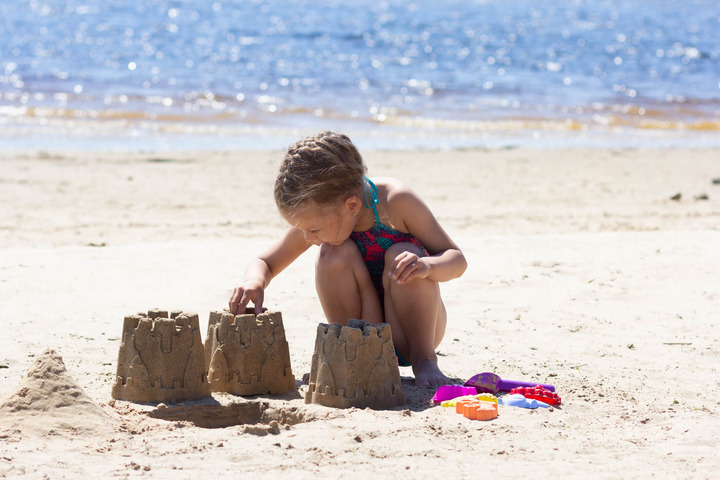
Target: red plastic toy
538, 393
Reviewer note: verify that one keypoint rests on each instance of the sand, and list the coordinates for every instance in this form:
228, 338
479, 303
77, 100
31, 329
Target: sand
583, 273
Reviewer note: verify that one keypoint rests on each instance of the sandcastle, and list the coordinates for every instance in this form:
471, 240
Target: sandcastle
355, 366
161, 359
248, 354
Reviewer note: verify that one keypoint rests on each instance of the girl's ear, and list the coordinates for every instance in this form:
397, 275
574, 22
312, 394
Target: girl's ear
353, 204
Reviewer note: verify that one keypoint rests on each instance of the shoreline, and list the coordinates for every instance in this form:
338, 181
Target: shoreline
501, 133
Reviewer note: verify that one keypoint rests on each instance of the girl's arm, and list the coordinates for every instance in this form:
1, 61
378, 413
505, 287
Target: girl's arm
445, 262
261, 270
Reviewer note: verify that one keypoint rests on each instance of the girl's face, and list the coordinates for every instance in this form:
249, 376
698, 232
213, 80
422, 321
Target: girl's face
330, 224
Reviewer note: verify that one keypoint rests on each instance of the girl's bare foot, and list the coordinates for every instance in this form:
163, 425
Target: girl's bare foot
427, 373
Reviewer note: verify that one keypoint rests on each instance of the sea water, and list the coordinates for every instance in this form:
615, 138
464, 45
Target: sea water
142, 74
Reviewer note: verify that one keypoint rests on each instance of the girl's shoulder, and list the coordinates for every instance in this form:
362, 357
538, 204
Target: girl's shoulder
398, 200
391, 188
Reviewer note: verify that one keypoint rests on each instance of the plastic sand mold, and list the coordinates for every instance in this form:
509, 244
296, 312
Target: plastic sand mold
492, 383
476, 409
448, 392
484, 397
517, 400
538, 393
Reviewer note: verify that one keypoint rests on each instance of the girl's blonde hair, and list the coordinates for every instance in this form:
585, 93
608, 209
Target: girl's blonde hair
323, 168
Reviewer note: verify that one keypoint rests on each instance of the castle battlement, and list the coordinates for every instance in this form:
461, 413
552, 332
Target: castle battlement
161, 359
355, 366
248, 354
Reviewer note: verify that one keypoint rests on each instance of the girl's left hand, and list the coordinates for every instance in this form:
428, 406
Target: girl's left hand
408, 266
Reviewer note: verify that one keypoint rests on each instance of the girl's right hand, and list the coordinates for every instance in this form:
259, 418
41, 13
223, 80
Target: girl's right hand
249, 291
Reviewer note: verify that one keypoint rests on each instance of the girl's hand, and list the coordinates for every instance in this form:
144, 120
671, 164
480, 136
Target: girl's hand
407, 266
249, 291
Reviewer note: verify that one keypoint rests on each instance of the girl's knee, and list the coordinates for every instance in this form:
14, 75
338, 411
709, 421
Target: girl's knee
421, 286
398, 248
335, 259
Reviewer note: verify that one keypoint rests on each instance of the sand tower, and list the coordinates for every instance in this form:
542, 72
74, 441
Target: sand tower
161, 359
355, 366
49, 402
248, 354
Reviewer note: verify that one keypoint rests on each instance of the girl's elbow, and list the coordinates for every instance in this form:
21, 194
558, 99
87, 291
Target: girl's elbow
461, 263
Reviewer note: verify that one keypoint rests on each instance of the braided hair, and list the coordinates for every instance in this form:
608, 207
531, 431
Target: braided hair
322, 168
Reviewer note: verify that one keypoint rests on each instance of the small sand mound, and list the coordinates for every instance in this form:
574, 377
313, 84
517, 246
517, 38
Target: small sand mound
49, 399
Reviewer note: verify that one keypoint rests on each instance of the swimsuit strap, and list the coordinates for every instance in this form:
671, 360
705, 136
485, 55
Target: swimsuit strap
373, 200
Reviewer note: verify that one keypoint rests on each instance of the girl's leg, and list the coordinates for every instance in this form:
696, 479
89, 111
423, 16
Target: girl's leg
417, 317
344, 286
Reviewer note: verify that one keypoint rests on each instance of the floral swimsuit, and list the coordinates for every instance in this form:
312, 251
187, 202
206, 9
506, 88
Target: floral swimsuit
373, 243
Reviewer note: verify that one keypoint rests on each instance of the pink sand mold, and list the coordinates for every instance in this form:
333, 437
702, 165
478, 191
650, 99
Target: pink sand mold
538, 393
517, 400
492, 383
448, 392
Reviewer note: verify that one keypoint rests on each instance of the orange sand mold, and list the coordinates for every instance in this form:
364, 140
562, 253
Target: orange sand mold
477, 409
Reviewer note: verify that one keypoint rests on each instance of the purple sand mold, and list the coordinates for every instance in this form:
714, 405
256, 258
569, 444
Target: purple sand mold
491, 383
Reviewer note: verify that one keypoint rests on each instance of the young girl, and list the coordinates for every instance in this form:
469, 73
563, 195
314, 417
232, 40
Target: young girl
382, 252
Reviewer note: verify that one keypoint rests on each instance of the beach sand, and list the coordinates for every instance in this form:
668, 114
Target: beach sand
583, 273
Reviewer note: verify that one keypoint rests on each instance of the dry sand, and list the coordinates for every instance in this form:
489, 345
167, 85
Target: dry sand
582, 273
